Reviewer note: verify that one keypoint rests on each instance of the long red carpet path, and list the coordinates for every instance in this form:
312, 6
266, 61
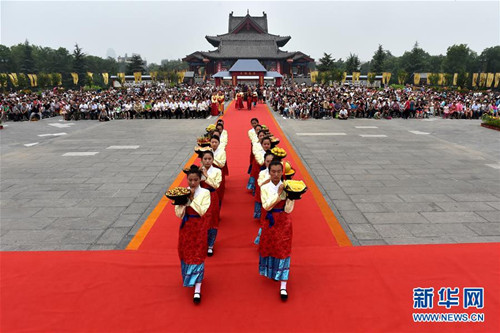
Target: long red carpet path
332, 288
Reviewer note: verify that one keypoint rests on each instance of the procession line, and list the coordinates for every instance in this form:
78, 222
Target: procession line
141, 234
333, 223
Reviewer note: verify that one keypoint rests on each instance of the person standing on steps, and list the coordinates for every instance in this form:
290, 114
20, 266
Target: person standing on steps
211, 179
276, 239
193, 241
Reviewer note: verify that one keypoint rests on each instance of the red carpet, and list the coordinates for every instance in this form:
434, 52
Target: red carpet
332, 288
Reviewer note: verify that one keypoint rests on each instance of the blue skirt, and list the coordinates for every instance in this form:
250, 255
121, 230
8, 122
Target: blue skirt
257, 207
251, 184
192, 274
274, 268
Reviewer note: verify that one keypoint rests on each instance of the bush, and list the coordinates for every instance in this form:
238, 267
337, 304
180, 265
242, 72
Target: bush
491, 121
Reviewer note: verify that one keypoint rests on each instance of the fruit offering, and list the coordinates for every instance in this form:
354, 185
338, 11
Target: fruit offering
179, 195
294, 189
210, 128
278, 152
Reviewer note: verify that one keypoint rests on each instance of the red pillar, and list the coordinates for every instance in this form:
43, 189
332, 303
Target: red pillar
235, 80
261, 79
278, 82
217, 81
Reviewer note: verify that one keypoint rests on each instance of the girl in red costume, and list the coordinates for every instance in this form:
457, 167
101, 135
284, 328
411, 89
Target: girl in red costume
276, 240
192, 246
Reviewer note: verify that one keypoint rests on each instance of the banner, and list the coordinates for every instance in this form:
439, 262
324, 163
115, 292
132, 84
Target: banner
153, 75
416, 78
355, 76
455, 79
387, 78
90, 74
137, 77
121, 77
105, 78
497, 79
429, 78
75, 78
489, 79
482, 79
32, 82
474, 79
13, 79
344, 75
4, 79
314, 76
441, 79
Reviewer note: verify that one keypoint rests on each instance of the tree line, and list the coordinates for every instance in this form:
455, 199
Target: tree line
459, 59
53, 67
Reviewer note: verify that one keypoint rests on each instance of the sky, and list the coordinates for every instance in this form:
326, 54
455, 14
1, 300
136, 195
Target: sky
173, 29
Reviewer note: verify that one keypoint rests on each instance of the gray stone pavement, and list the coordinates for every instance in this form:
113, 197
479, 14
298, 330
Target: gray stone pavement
53, 202
405, 181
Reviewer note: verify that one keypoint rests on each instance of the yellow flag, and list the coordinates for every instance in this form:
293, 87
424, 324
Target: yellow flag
416, 78
181, 76
489, 79
355, 76
30, 76
497, 79
13, 79
35, 79
314, 76
153, 75
105, 78
59, 78
455, 79
75, 78
441, 79
474, 79
90, 74
137, 77
388, 77
482, 79
344, 75
121, 76
4, 79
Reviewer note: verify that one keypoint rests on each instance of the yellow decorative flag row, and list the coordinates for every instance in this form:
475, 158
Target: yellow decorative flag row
153, 75
497, 79
344, 75
105, 78
455, 79
75, 78
355, 76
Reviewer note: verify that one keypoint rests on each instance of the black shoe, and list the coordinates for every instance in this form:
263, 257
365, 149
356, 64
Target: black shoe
283, 295
210, 252
197, 298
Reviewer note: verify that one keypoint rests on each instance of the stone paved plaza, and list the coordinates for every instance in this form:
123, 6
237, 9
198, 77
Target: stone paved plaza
388, 182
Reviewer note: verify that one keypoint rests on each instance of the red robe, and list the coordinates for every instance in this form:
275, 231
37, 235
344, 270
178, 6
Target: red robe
213, 211
193, 240
214, 108
222, 187
239, 102
276, 241
249, 102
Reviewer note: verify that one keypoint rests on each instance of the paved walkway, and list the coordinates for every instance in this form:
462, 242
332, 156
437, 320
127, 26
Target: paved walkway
91, 187
405, 181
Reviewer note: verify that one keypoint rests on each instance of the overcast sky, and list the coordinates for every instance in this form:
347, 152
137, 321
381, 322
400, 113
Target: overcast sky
170, 30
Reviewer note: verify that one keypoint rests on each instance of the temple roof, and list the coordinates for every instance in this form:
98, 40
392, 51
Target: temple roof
247, 38
247, 65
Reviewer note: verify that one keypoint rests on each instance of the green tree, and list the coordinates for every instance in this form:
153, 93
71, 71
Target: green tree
378, 60
136, 64
490, 59
326, 63
352, 63
27, 61
5, 59
415, 61
459, 58
79, 65
435, 64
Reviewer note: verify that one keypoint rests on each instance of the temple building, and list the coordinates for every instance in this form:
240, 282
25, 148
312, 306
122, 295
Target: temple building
248, 38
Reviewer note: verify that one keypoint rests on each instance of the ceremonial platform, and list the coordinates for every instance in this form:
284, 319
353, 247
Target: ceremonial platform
333, 286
